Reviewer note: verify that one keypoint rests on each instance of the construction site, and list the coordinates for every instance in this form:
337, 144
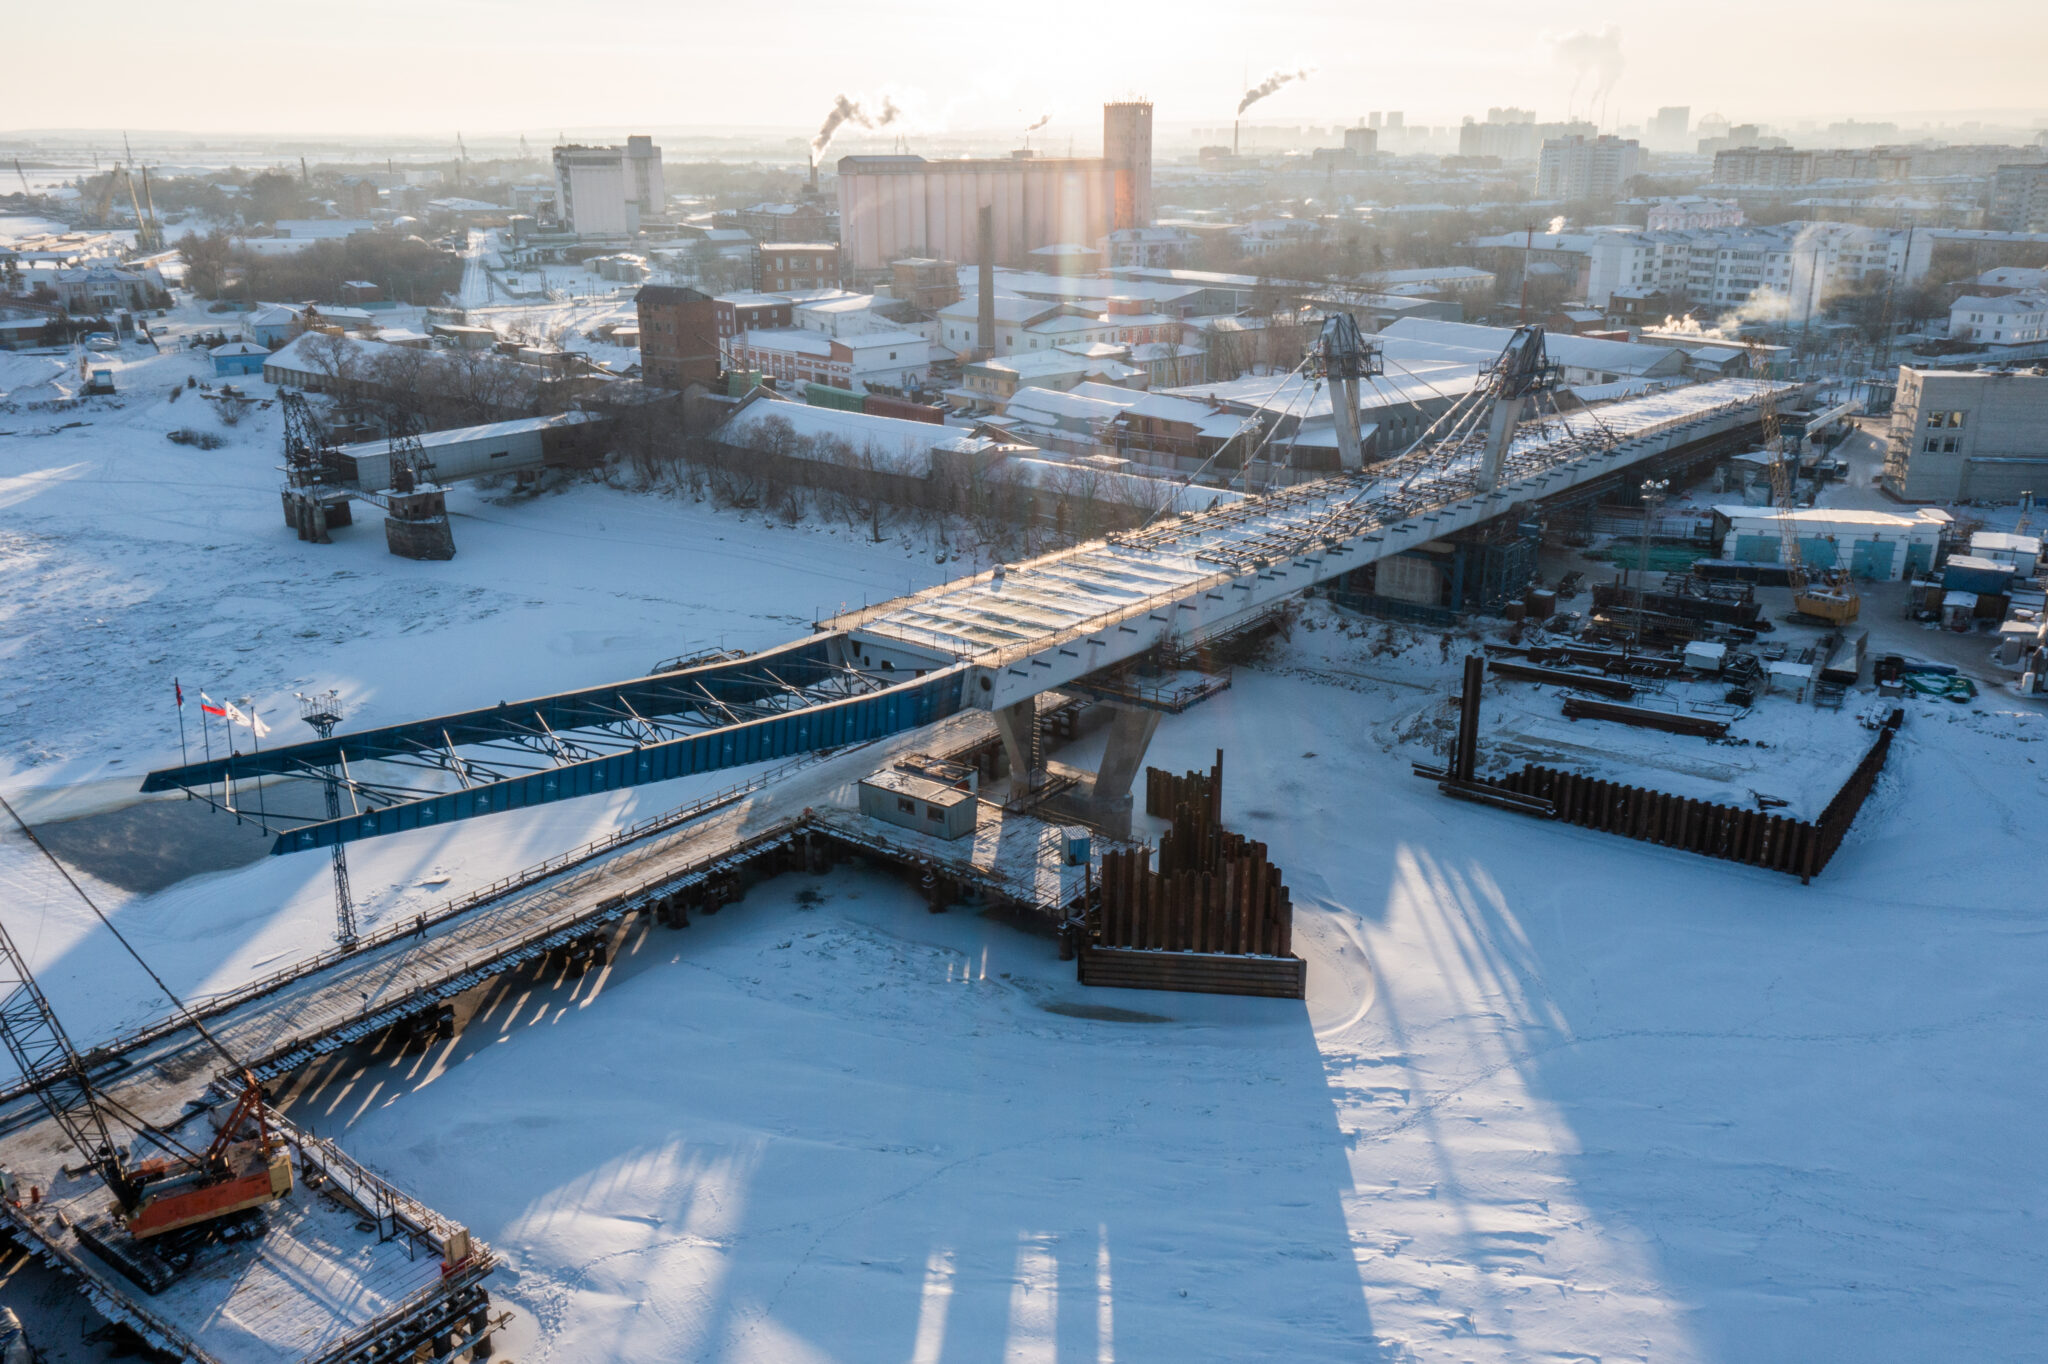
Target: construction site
1020, 768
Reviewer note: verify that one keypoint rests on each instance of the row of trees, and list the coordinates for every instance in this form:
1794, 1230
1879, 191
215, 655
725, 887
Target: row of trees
218, 266
433, 389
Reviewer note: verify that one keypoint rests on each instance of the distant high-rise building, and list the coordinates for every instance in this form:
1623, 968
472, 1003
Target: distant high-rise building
1396, 120
1668, 129
1510, 115
1372, 120
2019, 198
609, 191
1573, 168
1361, 141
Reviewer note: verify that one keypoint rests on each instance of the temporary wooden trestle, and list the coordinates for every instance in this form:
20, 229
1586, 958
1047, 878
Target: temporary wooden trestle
1215, 917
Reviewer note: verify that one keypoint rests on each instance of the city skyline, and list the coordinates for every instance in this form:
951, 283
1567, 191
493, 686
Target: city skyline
507, 69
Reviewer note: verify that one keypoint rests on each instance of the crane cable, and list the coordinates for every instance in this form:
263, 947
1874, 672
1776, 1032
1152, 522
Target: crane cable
178, 1004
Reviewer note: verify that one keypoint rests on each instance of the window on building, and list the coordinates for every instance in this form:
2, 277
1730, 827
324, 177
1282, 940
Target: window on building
906, 805
1948, 447
1955, 418
933, 812
1932, 443
1935, 420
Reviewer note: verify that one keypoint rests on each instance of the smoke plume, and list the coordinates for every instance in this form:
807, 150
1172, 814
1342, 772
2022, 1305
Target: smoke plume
846, 110
1269, 85
1043, 119
1595, 58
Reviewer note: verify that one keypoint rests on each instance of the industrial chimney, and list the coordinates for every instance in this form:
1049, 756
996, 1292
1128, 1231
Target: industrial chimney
985, 317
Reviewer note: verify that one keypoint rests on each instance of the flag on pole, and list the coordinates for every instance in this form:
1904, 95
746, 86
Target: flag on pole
180, 691
213, 707
231, 712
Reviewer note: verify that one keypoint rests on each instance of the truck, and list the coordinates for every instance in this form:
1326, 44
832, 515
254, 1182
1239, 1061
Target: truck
102, 381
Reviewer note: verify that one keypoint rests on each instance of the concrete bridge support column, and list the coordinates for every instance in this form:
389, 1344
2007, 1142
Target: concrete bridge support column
1018, 725
1107, 802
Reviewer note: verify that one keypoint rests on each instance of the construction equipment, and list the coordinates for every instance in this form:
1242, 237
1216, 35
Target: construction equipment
148, 235
160, 1186
1833, 598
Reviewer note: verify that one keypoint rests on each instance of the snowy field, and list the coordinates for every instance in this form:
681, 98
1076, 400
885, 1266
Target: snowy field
1555, 1096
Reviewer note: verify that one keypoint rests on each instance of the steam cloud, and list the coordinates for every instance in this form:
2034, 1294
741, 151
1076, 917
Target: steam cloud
844, 111
1043, 119
1269, 85
1595, 57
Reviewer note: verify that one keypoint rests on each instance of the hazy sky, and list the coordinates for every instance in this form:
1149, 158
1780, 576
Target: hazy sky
429, 67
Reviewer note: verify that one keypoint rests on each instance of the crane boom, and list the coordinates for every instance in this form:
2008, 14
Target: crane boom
154, 1195
42, 1051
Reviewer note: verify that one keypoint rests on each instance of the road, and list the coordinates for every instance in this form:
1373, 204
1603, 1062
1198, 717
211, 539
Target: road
478, 289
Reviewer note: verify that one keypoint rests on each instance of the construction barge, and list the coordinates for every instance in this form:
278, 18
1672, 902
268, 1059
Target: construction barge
344, 1269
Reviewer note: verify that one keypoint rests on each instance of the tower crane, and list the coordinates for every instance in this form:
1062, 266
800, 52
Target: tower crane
1833, 598
173, 1189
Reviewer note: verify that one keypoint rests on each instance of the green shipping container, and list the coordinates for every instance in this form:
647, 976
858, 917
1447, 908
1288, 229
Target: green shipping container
824, 395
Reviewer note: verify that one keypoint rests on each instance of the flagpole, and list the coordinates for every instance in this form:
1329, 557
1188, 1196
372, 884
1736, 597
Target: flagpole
206, 736
256, 741
184, 757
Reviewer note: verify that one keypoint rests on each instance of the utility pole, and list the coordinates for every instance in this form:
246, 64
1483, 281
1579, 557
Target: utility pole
323, 713
1653, 497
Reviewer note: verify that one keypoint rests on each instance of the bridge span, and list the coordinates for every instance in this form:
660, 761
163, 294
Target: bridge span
992, 641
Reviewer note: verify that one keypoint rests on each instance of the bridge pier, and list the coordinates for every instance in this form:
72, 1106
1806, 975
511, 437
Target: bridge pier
1106, 802
1017, 723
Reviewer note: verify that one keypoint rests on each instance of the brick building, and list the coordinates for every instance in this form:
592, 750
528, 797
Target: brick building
736, 313
678, 336
782, 266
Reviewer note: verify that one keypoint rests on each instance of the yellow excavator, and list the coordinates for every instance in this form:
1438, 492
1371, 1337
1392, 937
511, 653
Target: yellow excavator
1831, 596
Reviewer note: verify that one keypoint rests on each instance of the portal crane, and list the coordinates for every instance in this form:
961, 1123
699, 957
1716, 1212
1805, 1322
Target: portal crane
244, 1167
1834, 598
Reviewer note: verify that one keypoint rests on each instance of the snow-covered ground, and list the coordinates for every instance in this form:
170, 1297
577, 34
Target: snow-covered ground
1554, 1095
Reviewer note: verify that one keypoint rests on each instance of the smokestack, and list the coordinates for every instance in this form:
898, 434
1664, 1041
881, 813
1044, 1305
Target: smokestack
814, 177
985, 319
1233, 137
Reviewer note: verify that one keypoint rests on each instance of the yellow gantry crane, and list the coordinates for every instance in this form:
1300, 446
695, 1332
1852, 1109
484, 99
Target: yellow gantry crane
1833, 597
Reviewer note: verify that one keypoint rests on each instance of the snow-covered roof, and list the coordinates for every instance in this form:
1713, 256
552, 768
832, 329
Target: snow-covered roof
1825, 516
1164, 408
240, 348
462, 435
876, 339
1109, 485
1579, 352
794, 340
1030, 403
899, 446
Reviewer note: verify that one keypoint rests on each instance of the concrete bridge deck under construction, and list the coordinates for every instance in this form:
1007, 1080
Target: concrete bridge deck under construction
986, 642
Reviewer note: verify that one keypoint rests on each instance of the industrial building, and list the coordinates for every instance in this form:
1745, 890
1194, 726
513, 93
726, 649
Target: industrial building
1872, 545
893, 207
1967, 436
609, 192
465, 452
678, 336
892, 359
